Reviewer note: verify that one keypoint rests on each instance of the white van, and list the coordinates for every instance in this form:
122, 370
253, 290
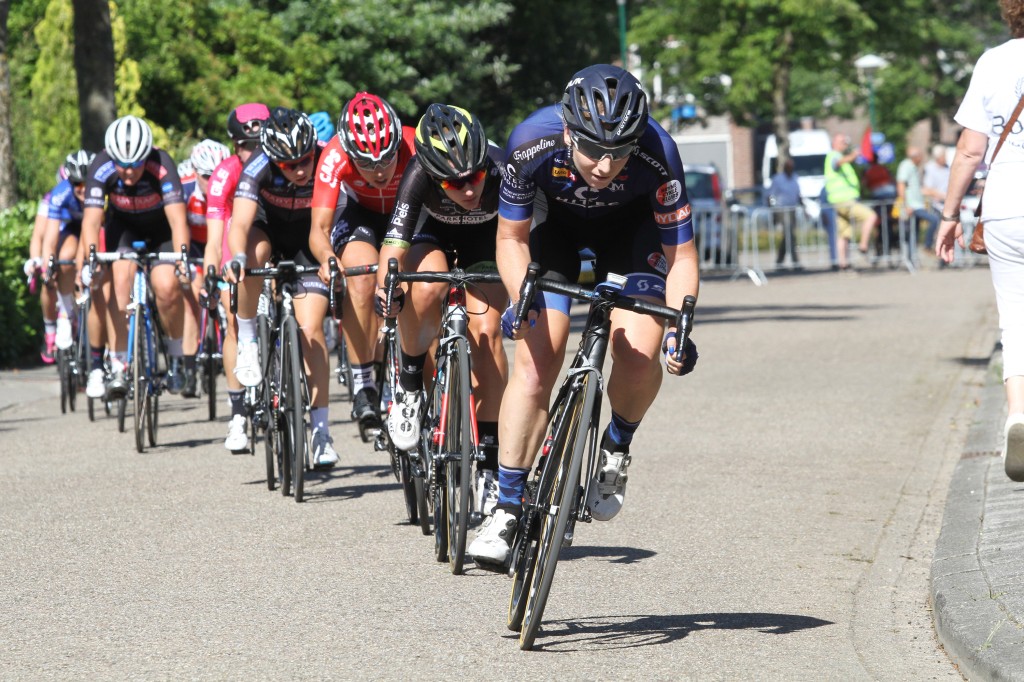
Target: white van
807, 148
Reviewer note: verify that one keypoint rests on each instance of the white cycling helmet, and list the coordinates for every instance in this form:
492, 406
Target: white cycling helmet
207, 155
129, 140
185, 170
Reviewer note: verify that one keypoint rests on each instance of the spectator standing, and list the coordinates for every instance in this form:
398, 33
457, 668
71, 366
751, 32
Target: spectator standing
935, 184
910, 195
991, 99
842, 187
784, 198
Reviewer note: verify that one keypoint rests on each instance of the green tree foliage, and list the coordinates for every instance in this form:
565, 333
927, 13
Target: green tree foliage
18, 309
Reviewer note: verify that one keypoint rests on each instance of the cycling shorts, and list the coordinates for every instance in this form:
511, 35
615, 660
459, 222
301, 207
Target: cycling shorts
354, 223
472, 247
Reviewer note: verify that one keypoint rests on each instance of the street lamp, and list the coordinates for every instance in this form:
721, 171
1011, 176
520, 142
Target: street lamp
868, 65
622, 32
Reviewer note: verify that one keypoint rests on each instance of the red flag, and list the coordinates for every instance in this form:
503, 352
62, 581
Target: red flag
866, 148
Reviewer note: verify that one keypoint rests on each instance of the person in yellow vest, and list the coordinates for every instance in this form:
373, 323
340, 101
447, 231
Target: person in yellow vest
842, 186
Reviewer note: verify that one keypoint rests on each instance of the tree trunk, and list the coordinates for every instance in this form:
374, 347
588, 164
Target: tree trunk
780, 95
94, 66
8, 182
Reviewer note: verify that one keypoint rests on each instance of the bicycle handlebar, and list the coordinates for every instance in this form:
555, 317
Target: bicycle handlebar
681, 318
452, 277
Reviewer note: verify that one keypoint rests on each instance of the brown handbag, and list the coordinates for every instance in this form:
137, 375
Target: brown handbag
977, 244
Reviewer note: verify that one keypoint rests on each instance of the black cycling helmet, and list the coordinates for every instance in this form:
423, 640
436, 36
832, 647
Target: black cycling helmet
606, 105
450, 142
288, 135
77, 166
246, 120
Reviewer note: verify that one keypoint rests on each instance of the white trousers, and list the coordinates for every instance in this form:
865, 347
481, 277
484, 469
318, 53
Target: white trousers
1004, 240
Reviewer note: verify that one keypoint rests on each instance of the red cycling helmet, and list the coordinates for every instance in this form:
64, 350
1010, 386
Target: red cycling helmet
369, 130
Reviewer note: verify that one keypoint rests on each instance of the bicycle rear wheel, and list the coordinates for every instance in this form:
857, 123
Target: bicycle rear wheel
64, 378
458, 453
292, 401
564, 493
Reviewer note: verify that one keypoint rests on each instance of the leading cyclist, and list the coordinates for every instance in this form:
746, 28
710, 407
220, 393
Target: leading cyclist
146, 204
606, 176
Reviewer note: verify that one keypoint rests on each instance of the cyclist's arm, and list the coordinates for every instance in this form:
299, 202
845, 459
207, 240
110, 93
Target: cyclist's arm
320, 238
387, 252
51, 236
513, 253
213, 254
35, 244
683, 273
243, 214
92, 219
177, 216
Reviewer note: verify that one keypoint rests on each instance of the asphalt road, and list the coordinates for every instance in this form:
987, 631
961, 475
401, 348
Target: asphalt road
781, 516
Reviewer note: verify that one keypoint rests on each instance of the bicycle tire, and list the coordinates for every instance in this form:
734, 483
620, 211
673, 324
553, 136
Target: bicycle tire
152, 418
210, 366
62, 379
91, 409
459, 439
439, 492
73, 378
140, 389
564, 492
122, 406
408, 489
292, 400
270, 454
422, 507
153, 395
524, 550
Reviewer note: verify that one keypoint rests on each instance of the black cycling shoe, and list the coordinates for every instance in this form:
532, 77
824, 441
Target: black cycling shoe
117, 386
175, 380
190, 389
364, 408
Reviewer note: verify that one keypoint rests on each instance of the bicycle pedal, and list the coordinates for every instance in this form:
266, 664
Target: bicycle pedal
380, 442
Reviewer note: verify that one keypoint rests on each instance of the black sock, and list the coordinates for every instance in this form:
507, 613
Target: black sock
488, 432
412, 372
237, 400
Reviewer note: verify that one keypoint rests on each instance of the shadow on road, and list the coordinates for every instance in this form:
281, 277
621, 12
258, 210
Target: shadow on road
615, 555
626, 632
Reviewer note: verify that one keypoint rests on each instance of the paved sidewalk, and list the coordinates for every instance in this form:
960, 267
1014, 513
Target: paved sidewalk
977, 578
26, 385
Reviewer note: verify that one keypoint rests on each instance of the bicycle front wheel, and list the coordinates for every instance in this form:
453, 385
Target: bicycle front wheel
458, 452
557, 508
210, 368
292, 400
64, 377
140, 387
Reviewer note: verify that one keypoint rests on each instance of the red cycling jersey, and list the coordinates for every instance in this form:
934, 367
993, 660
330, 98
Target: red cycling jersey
336, 168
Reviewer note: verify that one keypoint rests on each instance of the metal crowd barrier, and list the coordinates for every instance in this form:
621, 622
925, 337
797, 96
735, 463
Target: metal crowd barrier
755, 242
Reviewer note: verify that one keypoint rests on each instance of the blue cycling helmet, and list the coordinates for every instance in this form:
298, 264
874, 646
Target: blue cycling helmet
606, 105
323, 124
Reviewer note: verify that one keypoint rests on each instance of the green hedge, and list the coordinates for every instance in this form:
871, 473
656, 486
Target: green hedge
20, 322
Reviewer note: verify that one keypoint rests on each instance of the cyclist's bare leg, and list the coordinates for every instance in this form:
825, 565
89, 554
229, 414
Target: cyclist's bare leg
122, 273
190, 340
421, 316
490, 365
98, 310
66, 273
359, 321
257, 254
310, 311
169, 299
230, 344
636, 373
536, 367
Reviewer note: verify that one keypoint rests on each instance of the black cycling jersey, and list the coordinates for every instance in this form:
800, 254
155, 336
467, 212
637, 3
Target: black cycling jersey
419, 191
284, 209
142, 204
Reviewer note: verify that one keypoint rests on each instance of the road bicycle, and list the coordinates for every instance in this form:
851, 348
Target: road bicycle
281, 405
449, 437
569, 459
147, 362
70, 361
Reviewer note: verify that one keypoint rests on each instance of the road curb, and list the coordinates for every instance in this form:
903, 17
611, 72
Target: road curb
975, 623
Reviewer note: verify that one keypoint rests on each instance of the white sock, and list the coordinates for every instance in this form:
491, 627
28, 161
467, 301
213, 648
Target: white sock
246, 328
362, 377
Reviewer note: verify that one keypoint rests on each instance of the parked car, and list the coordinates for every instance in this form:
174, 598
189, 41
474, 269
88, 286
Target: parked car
704, 189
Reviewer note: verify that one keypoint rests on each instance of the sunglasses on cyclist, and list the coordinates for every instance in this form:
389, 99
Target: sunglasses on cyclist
383, 162
133, 164
459, 183
294, 165
596, 152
